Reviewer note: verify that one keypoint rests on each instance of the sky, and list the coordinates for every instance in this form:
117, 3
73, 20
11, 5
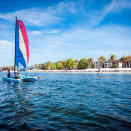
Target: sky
62, 29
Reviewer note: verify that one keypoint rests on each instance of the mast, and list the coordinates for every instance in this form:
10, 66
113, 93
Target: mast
15, 46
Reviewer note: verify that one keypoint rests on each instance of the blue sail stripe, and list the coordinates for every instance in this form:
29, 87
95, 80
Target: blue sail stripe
18, 55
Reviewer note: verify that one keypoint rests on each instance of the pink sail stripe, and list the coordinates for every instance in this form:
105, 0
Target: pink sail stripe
24, 34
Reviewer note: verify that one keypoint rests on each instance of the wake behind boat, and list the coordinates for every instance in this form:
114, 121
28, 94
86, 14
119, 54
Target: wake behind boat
21, 55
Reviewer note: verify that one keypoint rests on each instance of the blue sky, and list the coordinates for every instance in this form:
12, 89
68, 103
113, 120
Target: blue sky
62, 29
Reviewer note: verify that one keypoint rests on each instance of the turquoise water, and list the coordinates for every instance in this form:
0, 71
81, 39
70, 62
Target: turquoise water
65, 101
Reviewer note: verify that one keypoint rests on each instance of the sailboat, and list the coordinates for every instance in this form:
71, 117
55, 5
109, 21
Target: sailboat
21, 54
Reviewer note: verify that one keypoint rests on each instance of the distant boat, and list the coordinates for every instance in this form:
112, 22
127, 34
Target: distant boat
21, 53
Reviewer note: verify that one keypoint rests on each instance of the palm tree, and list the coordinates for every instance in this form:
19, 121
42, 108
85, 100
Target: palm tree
129, 58
76, 63
129, 61
64, 64
36, 66
113, 60
48, 65
124, 60
112, 57
90, 61
102, 59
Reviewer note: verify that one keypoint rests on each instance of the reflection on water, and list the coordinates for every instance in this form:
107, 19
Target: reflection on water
16, 105
67, 101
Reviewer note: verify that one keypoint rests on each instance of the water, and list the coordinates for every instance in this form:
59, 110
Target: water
61, 101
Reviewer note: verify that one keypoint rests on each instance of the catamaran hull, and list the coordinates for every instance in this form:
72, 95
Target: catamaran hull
29, 78
21, 79
5, 78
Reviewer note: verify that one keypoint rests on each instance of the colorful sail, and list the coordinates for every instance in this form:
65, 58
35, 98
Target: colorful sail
21, 45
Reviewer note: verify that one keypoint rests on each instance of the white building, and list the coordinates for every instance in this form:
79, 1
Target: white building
108, 64
120, 65
99, 65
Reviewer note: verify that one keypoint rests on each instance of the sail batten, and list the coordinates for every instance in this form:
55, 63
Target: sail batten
21, 45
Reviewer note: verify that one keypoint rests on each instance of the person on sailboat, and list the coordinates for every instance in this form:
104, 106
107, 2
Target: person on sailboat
17, 74
8, 74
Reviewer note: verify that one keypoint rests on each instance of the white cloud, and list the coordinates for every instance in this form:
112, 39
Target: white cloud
53, 31
54, 14
41, 17
83, 42
119, 5
4, 44
35, 32
6, 53
79, 40
115, 6
64, 7
32, 16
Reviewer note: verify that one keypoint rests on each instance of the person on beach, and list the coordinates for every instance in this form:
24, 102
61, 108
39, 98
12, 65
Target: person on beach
98, 69
8, 74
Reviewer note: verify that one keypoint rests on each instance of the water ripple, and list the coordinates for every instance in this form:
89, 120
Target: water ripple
62, 101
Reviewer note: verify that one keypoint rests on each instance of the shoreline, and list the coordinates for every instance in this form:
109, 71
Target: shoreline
102, 70
85, 71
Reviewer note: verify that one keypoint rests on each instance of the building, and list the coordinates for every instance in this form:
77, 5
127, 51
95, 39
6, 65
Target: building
119, 64
99, 64
108, 64
126, 64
